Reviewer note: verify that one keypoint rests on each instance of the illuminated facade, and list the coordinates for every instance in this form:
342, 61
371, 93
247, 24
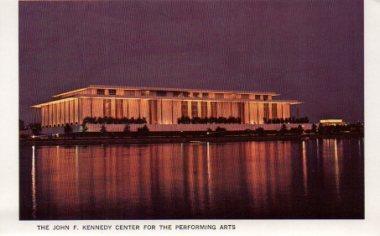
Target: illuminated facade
161, 105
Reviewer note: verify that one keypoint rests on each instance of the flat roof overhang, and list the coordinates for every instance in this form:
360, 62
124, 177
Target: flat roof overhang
166, 89
291, 102
53, 102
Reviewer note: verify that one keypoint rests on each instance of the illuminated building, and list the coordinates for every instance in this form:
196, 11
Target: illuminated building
331, 122
161, 105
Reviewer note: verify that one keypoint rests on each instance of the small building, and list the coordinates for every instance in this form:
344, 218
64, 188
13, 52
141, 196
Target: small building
161, 105
331, 122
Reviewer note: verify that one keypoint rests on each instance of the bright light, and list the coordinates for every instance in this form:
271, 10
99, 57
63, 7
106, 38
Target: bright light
331, 121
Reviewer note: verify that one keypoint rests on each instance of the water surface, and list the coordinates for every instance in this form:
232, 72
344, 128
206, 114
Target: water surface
252, 180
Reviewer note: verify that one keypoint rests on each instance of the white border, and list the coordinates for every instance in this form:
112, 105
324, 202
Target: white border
10, 225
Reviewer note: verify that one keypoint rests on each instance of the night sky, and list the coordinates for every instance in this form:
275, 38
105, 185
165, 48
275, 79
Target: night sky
306, 50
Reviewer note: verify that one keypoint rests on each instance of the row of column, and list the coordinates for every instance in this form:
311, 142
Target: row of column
60, 113
158, 111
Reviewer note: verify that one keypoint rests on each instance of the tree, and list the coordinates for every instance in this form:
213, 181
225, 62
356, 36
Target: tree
103, 129
139, 120
283, 129
21, 124
127, 128
36, 128
260, 131
195, 120
84, 128
314, 128
300, 129
90, 120
231, 120
184, 120
143, 130
220, 129
68, 129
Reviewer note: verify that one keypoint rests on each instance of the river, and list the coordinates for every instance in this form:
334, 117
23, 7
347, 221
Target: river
312, 179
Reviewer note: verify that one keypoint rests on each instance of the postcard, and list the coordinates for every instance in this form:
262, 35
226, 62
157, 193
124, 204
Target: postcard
200, 117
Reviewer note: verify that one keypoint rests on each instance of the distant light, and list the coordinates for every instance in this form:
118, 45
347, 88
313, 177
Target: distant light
331, 122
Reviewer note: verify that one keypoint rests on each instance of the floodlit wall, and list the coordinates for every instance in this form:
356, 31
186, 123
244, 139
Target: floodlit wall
60, 112
158, 111
160, 105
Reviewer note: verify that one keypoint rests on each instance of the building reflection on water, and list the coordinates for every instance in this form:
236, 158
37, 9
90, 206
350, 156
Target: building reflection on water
279, 179
333, 157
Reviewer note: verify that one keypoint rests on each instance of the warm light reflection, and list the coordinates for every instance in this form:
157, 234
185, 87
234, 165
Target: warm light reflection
317, 149
33, 174
332, 154
182, 180
337, 171
268, 174
77, 168
139, 178
304, 167
209, 173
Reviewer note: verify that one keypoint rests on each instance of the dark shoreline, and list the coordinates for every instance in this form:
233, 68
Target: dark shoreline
151, 139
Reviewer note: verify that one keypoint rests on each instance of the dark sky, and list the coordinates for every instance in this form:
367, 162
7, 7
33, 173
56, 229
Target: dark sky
306, 50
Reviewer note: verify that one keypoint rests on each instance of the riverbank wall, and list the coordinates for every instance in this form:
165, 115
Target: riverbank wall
174, 127
160, 137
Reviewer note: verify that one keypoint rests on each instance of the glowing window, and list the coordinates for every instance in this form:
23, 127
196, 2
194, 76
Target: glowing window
100, 91
161, 93
112, 91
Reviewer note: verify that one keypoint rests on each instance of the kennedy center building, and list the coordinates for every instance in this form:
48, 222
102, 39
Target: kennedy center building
161, 105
